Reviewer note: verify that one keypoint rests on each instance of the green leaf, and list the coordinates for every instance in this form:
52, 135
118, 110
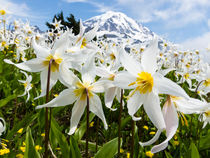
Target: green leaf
109, 149
60, 138
204, 142
74, 149
136, 142
30, 149
4, 101
194, 151
81, 130
23, 123
91, 145
168, 155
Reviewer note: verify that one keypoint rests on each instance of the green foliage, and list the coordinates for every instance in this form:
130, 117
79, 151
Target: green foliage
108, 150
30, 148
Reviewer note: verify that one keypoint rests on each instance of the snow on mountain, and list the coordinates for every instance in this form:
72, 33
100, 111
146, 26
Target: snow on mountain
117, 26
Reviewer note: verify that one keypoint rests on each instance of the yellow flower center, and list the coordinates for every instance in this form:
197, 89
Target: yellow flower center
207, 82
207, 113
3, 43
84, 43
144, 82
112, 56
186, 76
56, 60
81, 92
2, 12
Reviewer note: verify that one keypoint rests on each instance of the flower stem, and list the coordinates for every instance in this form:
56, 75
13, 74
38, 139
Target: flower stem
97, 126
47, 130
132, 138
87, 124
119, 121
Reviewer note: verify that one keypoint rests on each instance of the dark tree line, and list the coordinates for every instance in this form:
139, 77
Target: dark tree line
68, 22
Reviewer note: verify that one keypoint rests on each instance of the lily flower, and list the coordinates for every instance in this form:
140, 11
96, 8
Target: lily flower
205, 117
76, 92
2, 126
172, 106
27, 84
41, 63
147, 84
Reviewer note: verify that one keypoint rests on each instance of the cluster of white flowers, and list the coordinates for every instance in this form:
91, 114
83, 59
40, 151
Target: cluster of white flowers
139, 67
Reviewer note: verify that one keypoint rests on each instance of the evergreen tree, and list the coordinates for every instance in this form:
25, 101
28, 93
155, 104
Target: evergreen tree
70, 22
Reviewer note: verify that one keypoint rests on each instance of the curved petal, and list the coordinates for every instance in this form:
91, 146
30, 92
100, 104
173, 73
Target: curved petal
190, 106
153, 110
66, 97
96, 108
33, 65
40, 51
101, 85
154, 139
109, 97
124, 79
135, 102
53, 80
102, 72
172, 122
166, 86
2, 126
149, 57
91, 34
66, 76
129, 63
77, 111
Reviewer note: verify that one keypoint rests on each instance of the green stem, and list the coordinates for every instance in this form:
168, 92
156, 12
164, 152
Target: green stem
87, 123
119, 121
132, 138
47, 125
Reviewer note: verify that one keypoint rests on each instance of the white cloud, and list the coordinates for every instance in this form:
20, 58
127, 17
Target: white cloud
201, 42
176, 13
208, 22
15, 9
74, 1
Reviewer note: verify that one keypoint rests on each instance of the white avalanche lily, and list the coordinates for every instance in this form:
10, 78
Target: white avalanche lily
170, 109
41, 63
27, 84
2, 126
108, 73
76, 92
147, 84
205, 117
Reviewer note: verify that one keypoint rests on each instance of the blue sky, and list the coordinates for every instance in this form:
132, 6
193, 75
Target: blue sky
185, 22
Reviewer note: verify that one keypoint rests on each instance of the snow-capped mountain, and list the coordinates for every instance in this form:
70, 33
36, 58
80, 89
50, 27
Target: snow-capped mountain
117, 26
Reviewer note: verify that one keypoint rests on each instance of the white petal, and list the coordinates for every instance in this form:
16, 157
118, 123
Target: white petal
109, 97
153, 110
190, 106
88, 70
130, 64
40, 51
96, 108
102, 72
33, 65
101, 85
53, 80
123, 79
166, 86
2, 126
172, 121
149, 57
66, 97
91, 34
77, 111
134, 103
66, 76
151, 141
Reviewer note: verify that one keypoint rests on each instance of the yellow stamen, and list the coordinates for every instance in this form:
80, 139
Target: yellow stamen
84, 43
112, 56
149, 154
80, 91
144, 82
207, 82
55, 63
